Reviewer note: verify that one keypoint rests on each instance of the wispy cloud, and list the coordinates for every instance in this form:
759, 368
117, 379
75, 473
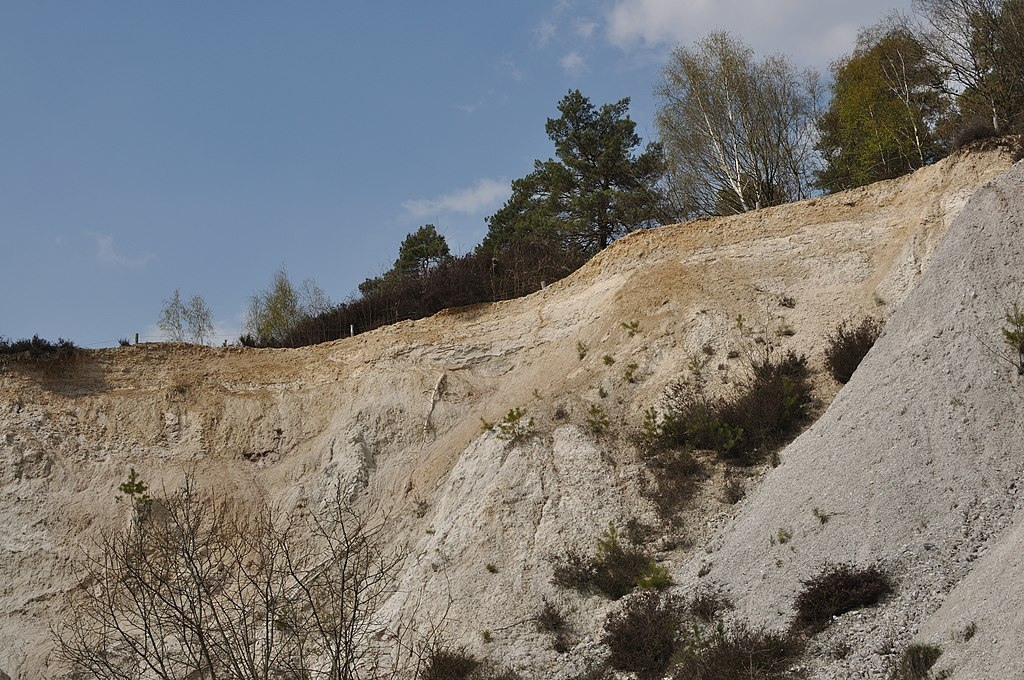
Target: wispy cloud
470, 109
585, 29
508, 66
553, 22
228, 330
483, 194
545, 32
106, 253
573, 62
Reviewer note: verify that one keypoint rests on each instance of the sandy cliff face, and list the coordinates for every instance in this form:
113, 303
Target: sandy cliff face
917, 463
916, 452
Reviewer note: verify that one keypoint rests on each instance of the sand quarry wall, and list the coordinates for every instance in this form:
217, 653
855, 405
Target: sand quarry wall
917, 463
914, 460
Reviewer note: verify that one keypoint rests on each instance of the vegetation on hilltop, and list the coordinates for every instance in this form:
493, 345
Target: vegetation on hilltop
596, 190
877, 125
559, 215
739, 133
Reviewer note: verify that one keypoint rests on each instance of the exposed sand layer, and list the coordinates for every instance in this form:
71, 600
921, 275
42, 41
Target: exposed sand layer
916, 460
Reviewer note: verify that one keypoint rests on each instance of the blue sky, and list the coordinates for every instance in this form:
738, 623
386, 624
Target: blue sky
150, 146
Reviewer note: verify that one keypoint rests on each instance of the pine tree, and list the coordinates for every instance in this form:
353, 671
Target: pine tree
595, 190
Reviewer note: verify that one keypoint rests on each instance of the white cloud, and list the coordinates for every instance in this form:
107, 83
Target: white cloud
809, 31
482, 195
228, 330
573, 62
821, 48
107, 254
152, 333
653, 21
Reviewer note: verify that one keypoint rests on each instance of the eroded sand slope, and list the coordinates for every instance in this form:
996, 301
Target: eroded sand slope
902, 457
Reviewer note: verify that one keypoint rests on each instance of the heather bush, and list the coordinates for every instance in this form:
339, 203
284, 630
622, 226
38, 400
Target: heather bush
450, 664
656, 635
641, 636
52, 357
837, 589
676, 473
38, 348
747, 425
614, 571
706, 606
848, 345
737, 653
551, 620
774, 405
972, 132
733, 491
457, 663
916, 662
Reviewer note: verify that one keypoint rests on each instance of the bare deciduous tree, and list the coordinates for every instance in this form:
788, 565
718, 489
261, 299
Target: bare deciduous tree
980, 44
196, 588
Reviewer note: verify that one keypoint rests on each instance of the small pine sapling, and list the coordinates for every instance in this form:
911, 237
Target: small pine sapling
1013, 335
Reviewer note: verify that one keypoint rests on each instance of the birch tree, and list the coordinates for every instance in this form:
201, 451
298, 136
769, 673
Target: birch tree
738, 132
186, 321
273, 313
980, 44
881, 118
